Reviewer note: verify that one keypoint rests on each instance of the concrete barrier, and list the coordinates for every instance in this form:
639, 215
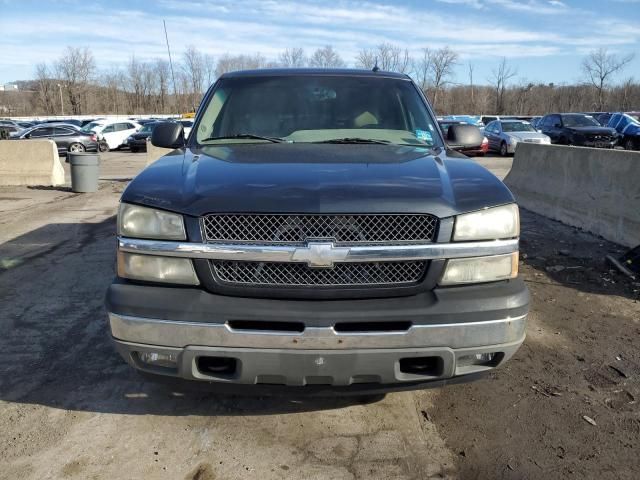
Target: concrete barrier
594, 189
30, 162
154, 153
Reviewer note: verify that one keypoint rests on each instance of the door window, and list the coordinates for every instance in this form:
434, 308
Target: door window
109, 129
42, 132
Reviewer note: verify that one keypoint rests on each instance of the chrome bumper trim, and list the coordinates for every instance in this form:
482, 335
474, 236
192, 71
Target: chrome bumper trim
181, 334
277, 253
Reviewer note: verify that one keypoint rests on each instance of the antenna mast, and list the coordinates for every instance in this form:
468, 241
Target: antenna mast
173, 77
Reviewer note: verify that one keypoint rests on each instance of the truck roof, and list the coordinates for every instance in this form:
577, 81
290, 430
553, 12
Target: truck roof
346, 72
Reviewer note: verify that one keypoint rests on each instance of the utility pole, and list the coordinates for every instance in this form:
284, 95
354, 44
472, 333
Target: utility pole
173, 78
61, 102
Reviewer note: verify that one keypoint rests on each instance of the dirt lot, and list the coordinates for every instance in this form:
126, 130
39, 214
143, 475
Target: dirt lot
565, 407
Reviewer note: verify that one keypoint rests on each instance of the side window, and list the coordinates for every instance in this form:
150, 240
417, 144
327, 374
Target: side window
109, 129
42, 132
129, 126
60, 131
554, 120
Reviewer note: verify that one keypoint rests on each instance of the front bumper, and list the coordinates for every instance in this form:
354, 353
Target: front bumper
338, 344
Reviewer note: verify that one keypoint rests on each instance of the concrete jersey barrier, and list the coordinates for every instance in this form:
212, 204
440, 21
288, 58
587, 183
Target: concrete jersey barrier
594, 189
30, 162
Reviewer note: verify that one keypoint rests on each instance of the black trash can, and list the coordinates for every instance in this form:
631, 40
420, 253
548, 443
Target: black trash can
85, 171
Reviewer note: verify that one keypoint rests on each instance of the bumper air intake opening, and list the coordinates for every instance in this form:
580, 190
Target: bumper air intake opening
350, 327
217, 366
267, 326
489, 359
424, 366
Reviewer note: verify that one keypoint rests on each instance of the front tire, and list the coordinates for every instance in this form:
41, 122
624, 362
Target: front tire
134, 149
103, 146
629, 145
76, 148
504, 151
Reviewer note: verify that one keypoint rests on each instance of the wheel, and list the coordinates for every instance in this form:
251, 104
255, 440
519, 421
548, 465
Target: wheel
628, 144
103, 146
134, 150
76, 148
503, 149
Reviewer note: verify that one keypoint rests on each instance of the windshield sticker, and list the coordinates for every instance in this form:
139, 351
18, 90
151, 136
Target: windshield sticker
424, 135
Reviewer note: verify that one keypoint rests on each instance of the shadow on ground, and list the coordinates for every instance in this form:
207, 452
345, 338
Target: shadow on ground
55, 348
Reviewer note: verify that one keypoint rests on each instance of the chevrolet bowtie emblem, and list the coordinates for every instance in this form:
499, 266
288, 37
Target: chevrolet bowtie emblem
320, 254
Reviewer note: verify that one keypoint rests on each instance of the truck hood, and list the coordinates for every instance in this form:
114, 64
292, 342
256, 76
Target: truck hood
316, 178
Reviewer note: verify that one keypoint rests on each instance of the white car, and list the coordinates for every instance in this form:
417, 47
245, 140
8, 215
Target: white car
114, 132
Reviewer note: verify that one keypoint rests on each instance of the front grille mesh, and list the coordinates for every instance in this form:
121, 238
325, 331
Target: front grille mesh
277, 274
298, 229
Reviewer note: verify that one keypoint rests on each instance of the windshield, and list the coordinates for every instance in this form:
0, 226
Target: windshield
579, 121
517, 127
315, 108
89, 127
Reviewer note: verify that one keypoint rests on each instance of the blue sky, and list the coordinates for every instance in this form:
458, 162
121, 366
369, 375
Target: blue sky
544, 40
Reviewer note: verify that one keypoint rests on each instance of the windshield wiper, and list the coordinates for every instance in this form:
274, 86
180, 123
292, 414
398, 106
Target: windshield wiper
355, 140
246, 135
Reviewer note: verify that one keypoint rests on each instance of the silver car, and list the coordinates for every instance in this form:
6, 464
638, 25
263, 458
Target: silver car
504, 135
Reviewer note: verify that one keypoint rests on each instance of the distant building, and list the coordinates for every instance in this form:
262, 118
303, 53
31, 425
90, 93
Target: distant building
9, 87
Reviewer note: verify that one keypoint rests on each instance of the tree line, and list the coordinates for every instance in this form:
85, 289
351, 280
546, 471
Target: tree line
73, 84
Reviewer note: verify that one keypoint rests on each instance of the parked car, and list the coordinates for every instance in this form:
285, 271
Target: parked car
8, 123
577, 129
60, 124
603, 118
470, 119
187, 124
470, 152
66, 138
137, 142
314, 232
11, 130
628, 128
504, 135
534, 122
114, 132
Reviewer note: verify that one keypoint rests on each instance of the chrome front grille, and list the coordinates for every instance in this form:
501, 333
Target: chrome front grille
298, 229
277, 274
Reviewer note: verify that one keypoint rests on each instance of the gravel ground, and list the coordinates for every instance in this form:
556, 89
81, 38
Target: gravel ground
566, 406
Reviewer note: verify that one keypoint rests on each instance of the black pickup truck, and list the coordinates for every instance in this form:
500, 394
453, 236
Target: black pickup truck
317, 232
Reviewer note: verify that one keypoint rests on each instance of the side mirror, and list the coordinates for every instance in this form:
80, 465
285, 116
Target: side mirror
168, 135
463, 137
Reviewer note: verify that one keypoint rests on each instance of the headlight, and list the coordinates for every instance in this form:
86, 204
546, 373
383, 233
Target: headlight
153, 268
489, 224
143, 222
512, 140
480, 269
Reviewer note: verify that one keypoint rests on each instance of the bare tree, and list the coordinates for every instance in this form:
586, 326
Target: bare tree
326, 57
209, 69
75, 68
230, 63
422, 69
599, 66
162, 73
386, 56
46, 88
498, 80
195, 70
442, 63
293, 58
